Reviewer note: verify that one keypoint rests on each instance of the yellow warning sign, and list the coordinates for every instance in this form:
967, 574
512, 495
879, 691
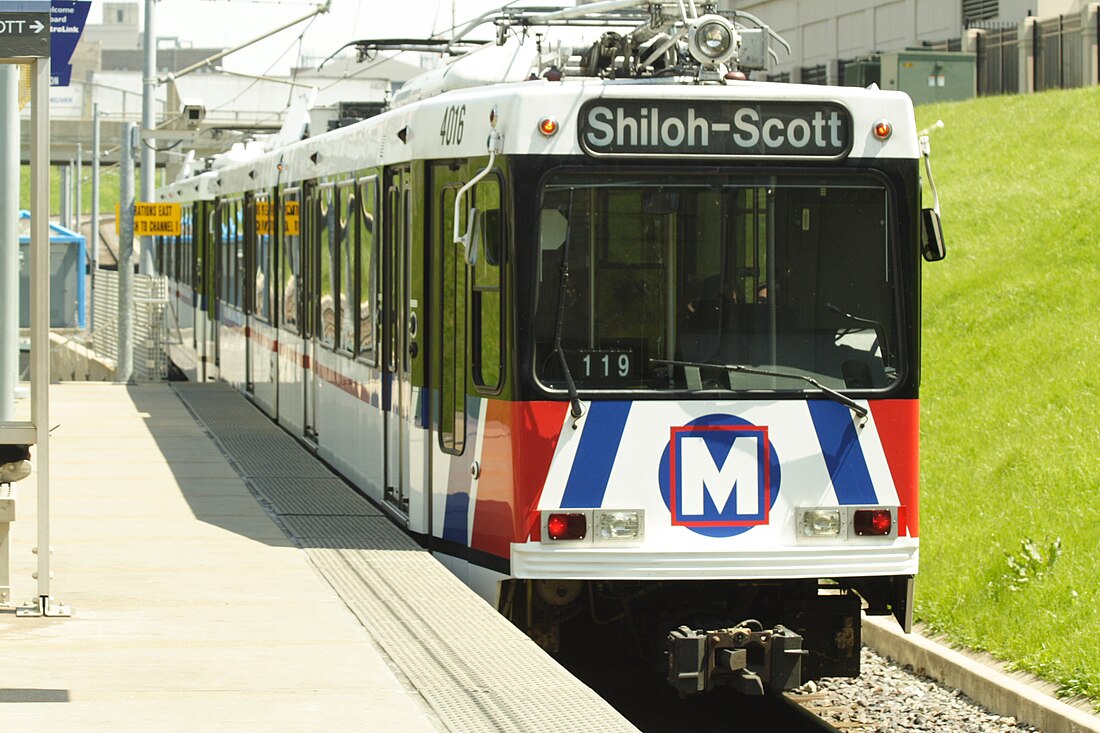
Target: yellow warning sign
153, 220
265, 219
291, 220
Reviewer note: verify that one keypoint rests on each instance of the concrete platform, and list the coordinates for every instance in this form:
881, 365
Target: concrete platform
192, 609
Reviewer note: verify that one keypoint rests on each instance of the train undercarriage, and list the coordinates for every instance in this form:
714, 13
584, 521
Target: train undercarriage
755, 637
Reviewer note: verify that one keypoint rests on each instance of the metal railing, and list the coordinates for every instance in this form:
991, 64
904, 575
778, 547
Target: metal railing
150, 323
998, 59
1058, 53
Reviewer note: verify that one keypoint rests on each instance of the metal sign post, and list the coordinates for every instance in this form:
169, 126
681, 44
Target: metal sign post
24, 38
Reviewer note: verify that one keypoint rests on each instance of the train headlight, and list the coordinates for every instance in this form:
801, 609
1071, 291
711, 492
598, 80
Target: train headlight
846, 523
712, 40
618, 525
820, 522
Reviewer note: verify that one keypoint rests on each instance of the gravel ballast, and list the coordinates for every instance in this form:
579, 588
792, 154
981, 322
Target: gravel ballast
893, 699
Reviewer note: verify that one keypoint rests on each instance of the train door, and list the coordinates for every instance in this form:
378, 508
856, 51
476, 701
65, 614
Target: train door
249, 290
309, 296
203, 228
396, 372
467, 332
193, 248
449, 309
287, 308
263, 362
215, 290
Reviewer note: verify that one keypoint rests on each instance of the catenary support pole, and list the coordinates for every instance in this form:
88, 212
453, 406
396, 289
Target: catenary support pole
63, 191
148, 122
126, 255
78, 190
93, 239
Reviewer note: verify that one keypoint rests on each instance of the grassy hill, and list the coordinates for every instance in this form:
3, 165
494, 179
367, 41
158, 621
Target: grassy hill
1010, 418
108, 189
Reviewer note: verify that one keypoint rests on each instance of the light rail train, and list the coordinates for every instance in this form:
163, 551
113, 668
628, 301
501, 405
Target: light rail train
615, 332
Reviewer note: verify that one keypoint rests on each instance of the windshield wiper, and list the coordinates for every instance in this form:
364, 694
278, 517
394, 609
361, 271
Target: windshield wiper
575, 408
880, 329
843, 399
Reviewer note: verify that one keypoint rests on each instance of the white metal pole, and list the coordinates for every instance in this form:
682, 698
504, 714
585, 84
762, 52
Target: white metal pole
40, 312
9, 239
63, 191
93, 240
126, 255
78, 190
148, 122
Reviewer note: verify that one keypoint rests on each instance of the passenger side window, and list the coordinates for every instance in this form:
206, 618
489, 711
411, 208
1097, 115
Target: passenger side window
347, 271
327, 217
291, 259
453, 328
367, 252
485, 291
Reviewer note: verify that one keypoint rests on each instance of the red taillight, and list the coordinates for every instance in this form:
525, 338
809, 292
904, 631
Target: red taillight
874, 522
571, 526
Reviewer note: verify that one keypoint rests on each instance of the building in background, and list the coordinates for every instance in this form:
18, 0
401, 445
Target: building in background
107, 71
826, 37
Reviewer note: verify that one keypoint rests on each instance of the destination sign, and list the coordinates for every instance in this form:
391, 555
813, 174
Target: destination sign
24, 34
715, 129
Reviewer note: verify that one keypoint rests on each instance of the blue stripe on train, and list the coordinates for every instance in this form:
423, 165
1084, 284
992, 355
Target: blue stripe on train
456, 513
456, 517
603, 431
843, 454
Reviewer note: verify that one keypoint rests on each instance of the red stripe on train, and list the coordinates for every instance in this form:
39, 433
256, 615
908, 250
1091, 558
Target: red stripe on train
898, 423
518, 445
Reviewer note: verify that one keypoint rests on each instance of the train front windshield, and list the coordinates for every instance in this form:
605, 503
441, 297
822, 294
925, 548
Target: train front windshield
716, 282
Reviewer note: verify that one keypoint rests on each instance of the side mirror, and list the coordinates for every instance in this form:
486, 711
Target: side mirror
931, 236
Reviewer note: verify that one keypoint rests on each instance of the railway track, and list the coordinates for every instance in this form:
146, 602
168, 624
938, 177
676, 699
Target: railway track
820, 709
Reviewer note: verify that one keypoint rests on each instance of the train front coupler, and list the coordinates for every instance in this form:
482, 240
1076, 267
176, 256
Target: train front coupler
746, 657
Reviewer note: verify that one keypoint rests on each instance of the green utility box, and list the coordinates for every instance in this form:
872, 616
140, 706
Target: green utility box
863, 72
930, 76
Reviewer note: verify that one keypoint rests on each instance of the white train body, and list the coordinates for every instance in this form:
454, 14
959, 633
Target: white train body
760, 464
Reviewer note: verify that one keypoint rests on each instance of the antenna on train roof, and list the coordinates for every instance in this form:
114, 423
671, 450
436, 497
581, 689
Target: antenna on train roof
367, 48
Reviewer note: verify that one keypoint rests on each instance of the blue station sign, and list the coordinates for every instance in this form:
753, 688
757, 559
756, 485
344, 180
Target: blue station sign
67, 19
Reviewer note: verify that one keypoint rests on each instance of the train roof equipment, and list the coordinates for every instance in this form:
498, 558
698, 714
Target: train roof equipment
636, 40
550, 57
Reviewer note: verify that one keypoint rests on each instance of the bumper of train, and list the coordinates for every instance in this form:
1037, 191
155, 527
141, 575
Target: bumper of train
534, 560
